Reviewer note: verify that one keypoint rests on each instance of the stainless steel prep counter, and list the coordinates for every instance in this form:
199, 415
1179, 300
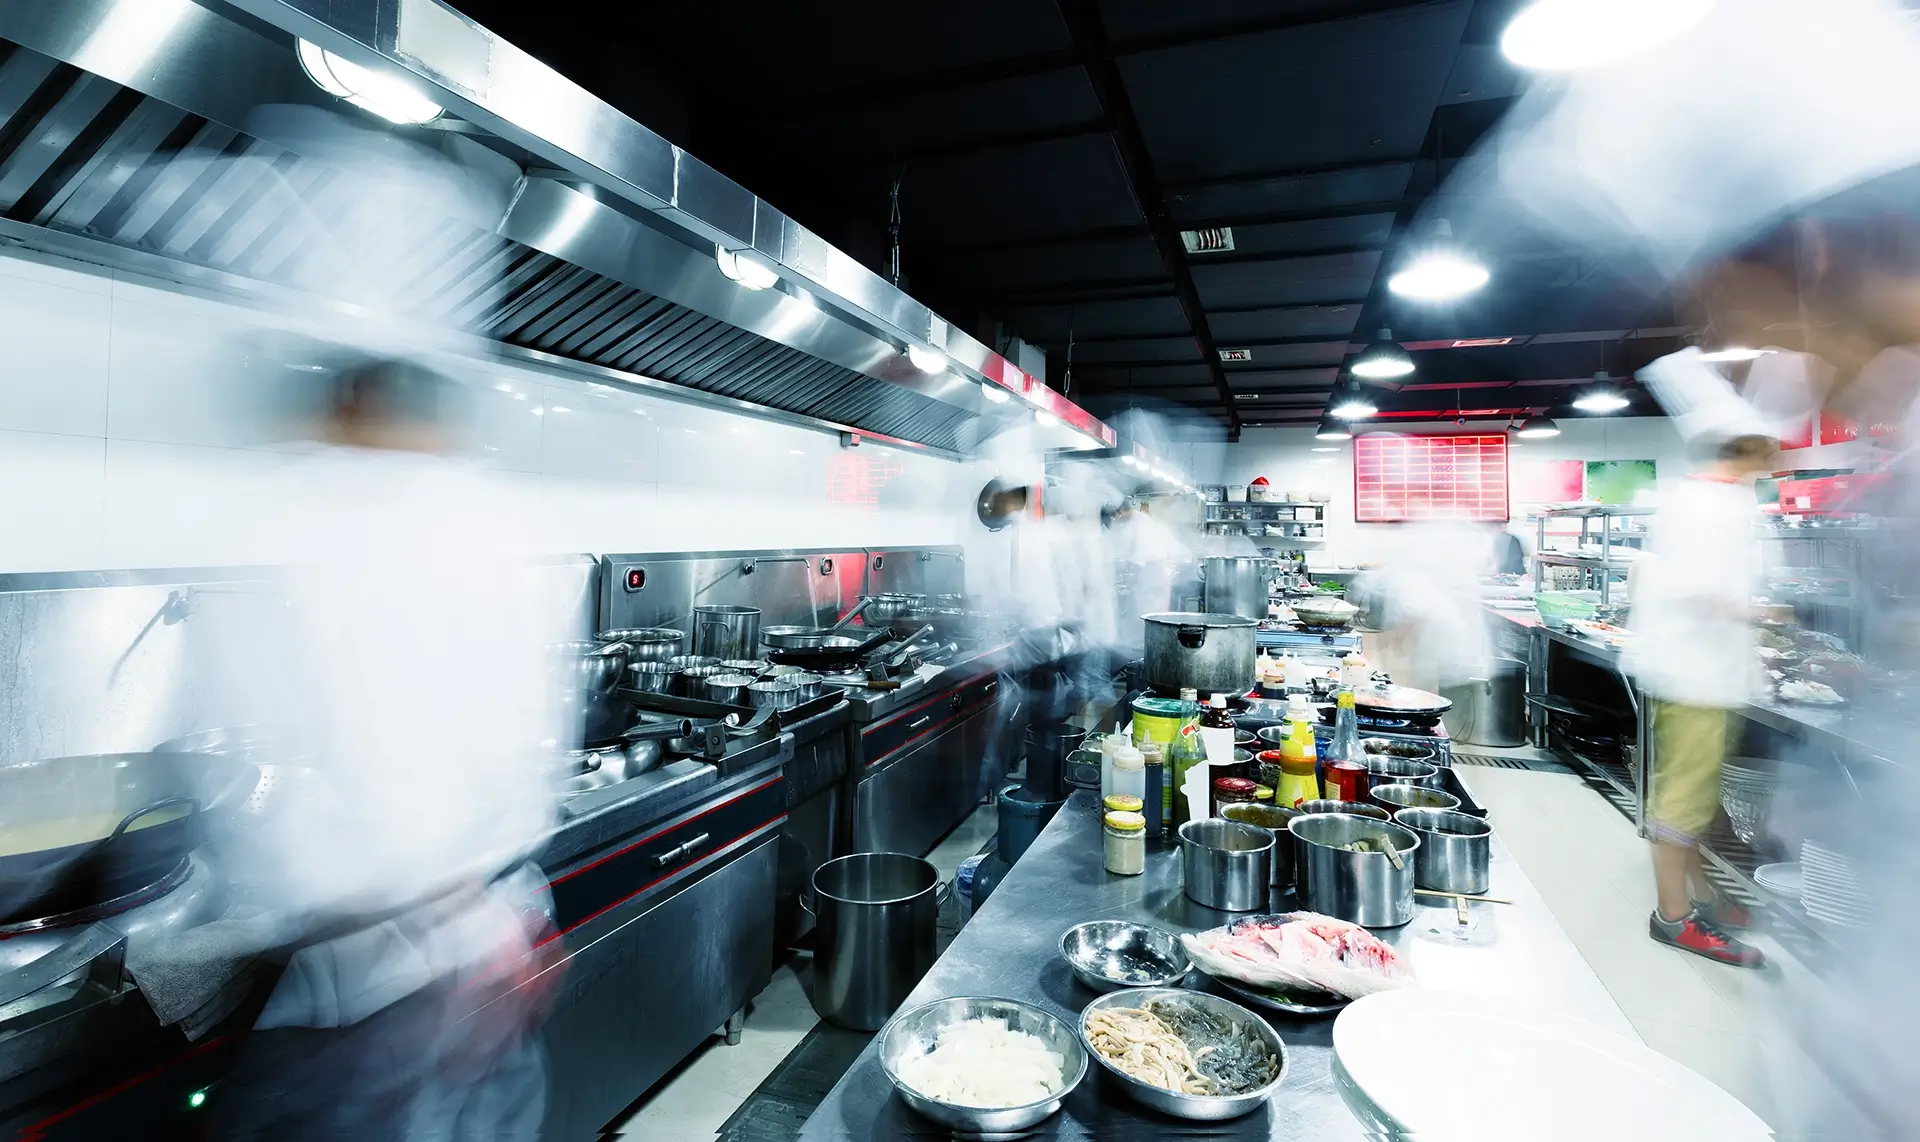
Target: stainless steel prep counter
1516, 952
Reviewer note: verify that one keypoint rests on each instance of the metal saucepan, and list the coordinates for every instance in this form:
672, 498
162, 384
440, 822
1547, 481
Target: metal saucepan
75, 831
753, 666
1385, 770
893, 607
691, 681
1351, 808
1228, 865
646, 644
684, 661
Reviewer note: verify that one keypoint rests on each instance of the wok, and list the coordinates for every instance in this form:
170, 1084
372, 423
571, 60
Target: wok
75, 831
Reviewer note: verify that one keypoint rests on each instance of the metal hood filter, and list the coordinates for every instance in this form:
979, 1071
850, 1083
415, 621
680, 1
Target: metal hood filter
560, 273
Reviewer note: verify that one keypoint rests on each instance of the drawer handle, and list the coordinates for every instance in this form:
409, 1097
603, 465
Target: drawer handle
920, 721
679, 853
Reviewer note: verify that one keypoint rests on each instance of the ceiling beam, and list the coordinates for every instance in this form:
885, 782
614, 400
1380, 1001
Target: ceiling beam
1090, 44
1040, 63
1291, 174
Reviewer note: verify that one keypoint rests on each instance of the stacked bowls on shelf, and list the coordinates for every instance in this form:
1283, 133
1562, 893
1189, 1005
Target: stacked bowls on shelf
1748, 786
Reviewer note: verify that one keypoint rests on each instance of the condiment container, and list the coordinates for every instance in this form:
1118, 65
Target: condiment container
1354, 672
1124, 843
1127, 774
1346, 781
1231, 791
1156, 790
1121, 804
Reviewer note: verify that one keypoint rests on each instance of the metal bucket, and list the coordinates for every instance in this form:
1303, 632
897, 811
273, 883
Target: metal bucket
877, 915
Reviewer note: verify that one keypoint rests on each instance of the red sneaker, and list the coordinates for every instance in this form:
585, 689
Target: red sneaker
1695, 933
1725, 914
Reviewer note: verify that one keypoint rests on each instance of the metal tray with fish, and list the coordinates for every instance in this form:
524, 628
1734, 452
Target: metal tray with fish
1299, 1002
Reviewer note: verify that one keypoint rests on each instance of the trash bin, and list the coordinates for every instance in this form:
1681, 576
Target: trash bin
877, 916
1498, 714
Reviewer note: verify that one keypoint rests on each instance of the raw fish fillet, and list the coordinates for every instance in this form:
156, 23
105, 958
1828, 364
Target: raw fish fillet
1300, 950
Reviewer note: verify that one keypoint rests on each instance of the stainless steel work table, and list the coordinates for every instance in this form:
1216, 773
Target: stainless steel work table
1516, 952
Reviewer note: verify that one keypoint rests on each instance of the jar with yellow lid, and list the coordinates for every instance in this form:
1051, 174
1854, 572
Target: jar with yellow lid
1124, 843
1121, 803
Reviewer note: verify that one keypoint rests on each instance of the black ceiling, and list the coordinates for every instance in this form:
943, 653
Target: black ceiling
1050, 151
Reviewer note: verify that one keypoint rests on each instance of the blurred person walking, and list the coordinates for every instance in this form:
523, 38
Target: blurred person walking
395, 874
1692, 653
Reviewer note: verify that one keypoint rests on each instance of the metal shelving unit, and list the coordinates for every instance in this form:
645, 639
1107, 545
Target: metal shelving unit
1244, 518
1597, 571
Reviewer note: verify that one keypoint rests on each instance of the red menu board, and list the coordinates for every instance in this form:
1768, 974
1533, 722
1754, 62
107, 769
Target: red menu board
1398, 478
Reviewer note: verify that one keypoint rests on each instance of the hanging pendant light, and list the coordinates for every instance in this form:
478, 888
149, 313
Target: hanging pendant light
1442, 271
1383, 359
1351, 402
1604, 396
1537, 427
1562, 35
1332, 428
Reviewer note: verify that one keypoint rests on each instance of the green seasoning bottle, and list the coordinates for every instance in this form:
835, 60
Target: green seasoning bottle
1187, 751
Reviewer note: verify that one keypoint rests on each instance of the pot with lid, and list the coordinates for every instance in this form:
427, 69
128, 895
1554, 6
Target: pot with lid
1213, 654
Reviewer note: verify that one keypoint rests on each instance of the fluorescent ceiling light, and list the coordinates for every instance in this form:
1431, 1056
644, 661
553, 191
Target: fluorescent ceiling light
385, 94
1045, 419
1323, 450
1331, 429
1382, 359
1537, 427
1561, 35
927, 360
1734, 353
995, 393
748, 271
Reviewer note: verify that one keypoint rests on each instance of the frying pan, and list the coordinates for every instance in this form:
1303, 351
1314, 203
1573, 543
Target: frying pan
812, 638
839, 652
75, 831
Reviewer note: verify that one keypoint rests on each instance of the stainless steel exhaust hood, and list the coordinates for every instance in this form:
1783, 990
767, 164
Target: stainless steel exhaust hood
178, 138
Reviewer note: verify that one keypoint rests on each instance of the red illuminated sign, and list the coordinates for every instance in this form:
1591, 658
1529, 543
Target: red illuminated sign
1400, 478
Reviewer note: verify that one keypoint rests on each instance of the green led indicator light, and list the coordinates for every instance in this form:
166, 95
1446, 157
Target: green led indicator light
196, 1100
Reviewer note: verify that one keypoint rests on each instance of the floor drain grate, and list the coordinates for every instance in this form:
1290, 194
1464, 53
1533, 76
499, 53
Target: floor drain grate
1530, 764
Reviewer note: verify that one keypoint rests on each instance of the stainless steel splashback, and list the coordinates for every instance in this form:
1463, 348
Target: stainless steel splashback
112, 661
808, 587
916, 571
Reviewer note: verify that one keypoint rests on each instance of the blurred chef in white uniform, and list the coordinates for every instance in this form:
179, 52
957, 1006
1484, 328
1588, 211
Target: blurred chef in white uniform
396, 879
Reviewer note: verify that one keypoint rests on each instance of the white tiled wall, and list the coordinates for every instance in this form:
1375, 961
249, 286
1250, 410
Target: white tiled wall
136, 431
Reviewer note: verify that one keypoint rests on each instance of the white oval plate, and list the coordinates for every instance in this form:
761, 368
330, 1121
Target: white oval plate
1448, 1067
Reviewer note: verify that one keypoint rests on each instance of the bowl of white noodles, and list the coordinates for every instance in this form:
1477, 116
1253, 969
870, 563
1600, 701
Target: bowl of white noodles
982, 1065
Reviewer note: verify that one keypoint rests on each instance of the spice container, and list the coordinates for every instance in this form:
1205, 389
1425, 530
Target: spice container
1155, 797
1231, 791
1124, 843
1123, 771
1120, 804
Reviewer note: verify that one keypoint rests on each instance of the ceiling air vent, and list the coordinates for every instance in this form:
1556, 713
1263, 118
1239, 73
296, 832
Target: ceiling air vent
1214, 241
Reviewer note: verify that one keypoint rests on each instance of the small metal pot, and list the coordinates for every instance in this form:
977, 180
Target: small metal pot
726, 631
1390, 747
1359, 887
646, 644
728, 689
806, 687
691, 681
687, 661
1385, 770
779, 695
1393, 798
753, 666
1228, 864
651, 677
1456, 850
893, 607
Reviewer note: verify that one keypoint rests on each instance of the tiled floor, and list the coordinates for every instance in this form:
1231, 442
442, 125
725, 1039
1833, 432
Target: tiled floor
1581, 854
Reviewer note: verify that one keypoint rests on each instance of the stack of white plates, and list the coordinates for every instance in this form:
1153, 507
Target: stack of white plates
1781, 880
1830, 888
1445, 1067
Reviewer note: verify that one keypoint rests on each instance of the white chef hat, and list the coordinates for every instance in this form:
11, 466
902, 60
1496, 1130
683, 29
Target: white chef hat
1764, 107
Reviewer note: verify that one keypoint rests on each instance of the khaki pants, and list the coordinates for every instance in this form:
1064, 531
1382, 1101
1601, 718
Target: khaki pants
1689, 745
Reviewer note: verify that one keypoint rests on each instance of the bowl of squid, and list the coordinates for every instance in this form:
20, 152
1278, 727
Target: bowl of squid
982, 1065
1185, 1053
